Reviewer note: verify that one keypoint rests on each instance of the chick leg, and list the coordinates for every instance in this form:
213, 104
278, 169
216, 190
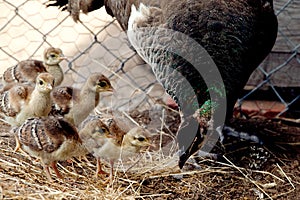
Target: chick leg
47, 171
18, 148
54, 167
110, 180
99, 168
111, 170
18, 145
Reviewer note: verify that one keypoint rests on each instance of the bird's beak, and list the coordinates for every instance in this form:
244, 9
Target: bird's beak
62, 57
111, 89
49, 86
112, 136
149, 144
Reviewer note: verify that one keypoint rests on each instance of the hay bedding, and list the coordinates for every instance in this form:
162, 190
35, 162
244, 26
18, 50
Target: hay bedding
155, 175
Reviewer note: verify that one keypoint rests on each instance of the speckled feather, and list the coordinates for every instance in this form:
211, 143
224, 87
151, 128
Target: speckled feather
13, 98
25, 71
51, 139
63, 97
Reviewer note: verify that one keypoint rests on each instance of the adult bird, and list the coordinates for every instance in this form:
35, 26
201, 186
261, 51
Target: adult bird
237, 34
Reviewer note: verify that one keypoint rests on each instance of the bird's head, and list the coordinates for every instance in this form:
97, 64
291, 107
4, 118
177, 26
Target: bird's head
45, 82
53, 56
137, 138
98, 129
100, 83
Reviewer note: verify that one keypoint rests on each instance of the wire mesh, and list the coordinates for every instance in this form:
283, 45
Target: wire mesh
97, 44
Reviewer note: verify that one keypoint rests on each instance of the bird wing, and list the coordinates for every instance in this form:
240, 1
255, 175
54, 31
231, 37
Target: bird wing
13, 97
63, 98
46, 134
34, 134
25, 71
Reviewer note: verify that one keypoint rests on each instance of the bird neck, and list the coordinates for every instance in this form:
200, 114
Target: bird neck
57, 73
41, 101
87, 101
39, 104
120, 9
88, 96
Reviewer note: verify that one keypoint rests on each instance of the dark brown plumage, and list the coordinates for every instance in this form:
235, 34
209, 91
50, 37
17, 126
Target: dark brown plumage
27, 70
237, 34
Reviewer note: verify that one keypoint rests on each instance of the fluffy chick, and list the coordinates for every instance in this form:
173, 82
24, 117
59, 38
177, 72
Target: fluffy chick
132, 143
94, 134
22, 101
28, 70
50, 139
74, 104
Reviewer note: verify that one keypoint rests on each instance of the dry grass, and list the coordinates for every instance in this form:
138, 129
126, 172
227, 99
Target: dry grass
152, 175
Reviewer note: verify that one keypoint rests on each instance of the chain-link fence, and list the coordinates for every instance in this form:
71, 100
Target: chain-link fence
97, 44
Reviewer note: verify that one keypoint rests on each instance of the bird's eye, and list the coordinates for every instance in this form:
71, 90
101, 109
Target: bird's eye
141, 139
103, 84
103, 130
41, 82
52, 55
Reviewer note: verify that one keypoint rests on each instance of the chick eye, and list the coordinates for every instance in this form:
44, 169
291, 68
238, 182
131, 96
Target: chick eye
41, 82
102, 84
52, 55
141, 139
103, 130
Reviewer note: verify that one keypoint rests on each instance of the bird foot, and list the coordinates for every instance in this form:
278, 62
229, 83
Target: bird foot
54, 167
99, 170
229, 131
101, 173
18, 148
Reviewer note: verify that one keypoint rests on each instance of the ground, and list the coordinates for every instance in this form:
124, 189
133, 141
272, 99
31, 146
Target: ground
155, 175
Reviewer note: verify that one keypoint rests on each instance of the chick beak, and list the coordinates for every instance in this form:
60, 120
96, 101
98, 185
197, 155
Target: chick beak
112, 136
111, 89
62, 57
149, 144
49, 86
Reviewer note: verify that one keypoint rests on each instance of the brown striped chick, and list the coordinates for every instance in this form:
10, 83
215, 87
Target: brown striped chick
74, 104
132, 143
50, 139
12, 98
22, 101
28, 70
94, 134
